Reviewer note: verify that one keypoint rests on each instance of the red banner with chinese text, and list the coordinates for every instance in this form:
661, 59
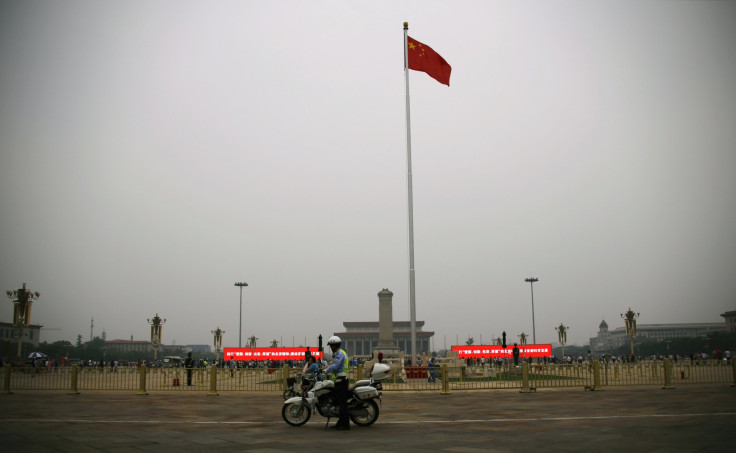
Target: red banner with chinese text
269, 354
483, 351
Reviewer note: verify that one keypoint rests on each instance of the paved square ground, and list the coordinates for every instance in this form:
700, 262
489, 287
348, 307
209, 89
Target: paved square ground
641, 419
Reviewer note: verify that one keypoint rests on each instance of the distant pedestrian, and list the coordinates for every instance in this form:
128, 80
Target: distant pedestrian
431, 371
312, 367
189, 364
515, 353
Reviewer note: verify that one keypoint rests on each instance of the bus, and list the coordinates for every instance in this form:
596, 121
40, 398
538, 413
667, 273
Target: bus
172, 361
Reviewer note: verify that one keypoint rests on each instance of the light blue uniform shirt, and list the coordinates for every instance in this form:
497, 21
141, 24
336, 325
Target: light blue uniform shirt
338, 363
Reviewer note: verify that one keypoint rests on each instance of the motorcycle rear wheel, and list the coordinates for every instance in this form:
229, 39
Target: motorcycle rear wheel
288, 393
364, 413
296, 414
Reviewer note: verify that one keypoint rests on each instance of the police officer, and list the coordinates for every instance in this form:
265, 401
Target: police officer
339, 372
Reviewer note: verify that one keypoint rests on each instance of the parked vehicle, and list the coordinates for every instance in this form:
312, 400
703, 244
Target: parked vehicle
298, 384
362, 396
172, 361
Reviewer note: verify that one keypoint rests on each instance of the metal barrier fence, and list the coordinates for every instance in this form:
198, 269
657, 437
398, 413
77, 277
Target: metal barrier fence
526, 377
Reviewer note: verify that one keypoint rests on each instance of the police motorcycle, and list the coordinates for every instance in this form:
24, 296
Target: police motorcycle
362, 396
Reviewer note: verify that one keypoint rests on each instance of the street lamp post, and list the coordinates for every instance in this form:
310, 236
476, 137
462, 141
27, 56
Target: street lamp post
562, 336
240, 330
522, 343
531, 281
218, 341
24, 297
630, 322
156, 327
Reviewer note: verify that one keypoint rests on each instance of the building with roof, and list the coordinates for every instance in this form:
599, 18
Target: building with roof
31, 333
730, 317
139, 346
361, 337
607, 340
369, 338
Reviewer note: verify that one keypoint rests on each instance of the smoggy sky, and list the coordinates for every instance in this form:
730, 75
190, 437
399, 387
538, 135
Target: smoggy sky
152, 154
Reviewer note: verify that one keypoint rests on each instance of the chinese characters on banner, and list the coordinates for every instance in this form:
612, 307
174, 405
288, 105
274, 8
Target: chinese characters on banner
269, 353
483, 351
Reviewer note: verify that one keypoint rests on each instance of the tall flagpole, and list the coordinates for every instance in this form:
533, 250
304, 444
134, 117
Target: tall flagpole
412, 299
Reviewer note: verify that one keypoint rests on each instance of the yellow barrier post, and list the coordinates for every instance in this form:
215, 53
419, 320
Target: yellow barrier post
359, 372
6, 379
213, 381
525, 378
596, 377
445, 385
284, 377
73, 390
668, 374
142, 380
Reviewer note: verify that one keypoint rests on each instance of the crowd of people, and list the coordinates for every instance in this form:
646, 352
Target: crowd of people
46, 363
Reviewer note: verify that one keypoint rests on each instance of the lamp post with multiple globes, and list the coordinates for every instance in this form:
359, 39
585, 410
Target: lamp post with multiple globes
24, 297
156, 326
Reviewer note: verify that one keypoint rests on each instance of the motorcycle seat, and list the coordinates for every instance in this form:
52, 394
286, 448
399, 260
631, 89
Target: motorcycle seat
361, 383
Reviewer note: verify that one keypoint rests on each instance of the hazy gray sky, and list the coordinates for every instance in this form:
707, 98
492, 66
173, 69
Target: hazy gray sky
154, 153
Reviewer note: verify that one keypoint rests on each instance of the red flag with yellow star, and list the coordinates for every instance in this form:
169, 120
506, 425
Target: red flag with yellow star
423, 58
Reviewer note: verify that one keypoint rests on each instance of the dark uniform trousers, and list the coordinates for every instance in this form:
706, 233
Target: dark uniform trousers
341, 399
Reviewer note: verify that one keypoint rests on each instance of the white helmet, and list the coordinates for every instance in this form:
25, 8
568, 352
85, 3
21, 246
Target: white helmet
334, 340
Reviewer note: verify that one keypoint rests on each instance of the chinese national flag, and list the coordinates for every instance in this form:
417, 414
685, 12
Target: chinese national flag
423, 58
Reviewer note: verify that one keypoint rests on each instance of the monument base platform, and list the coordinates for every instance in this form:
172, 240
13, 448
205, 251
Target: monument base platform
388, 352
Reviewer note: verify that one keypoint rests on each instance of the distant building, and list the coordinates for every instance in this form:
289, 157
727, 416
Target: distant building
140, 346
730, 320
360, 338
607, 340
128, 346
199, 348
9, 333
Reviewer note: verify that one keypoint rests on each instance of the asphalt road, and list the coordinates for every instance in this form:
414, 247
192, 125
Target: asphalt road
641, 419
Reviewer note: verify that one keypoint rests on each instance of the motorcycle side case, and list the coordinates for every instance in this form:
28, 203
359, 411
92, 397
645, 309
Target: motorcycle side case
365, 393
380, 371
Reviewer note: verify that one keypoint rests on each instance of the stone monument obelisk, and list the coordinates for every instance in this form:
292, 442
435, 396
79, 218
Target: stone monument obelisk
385, 326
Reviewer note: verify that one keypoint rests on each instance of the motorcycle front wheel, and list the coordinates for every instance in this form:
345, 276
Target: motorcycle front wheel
364, 413
296, 414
